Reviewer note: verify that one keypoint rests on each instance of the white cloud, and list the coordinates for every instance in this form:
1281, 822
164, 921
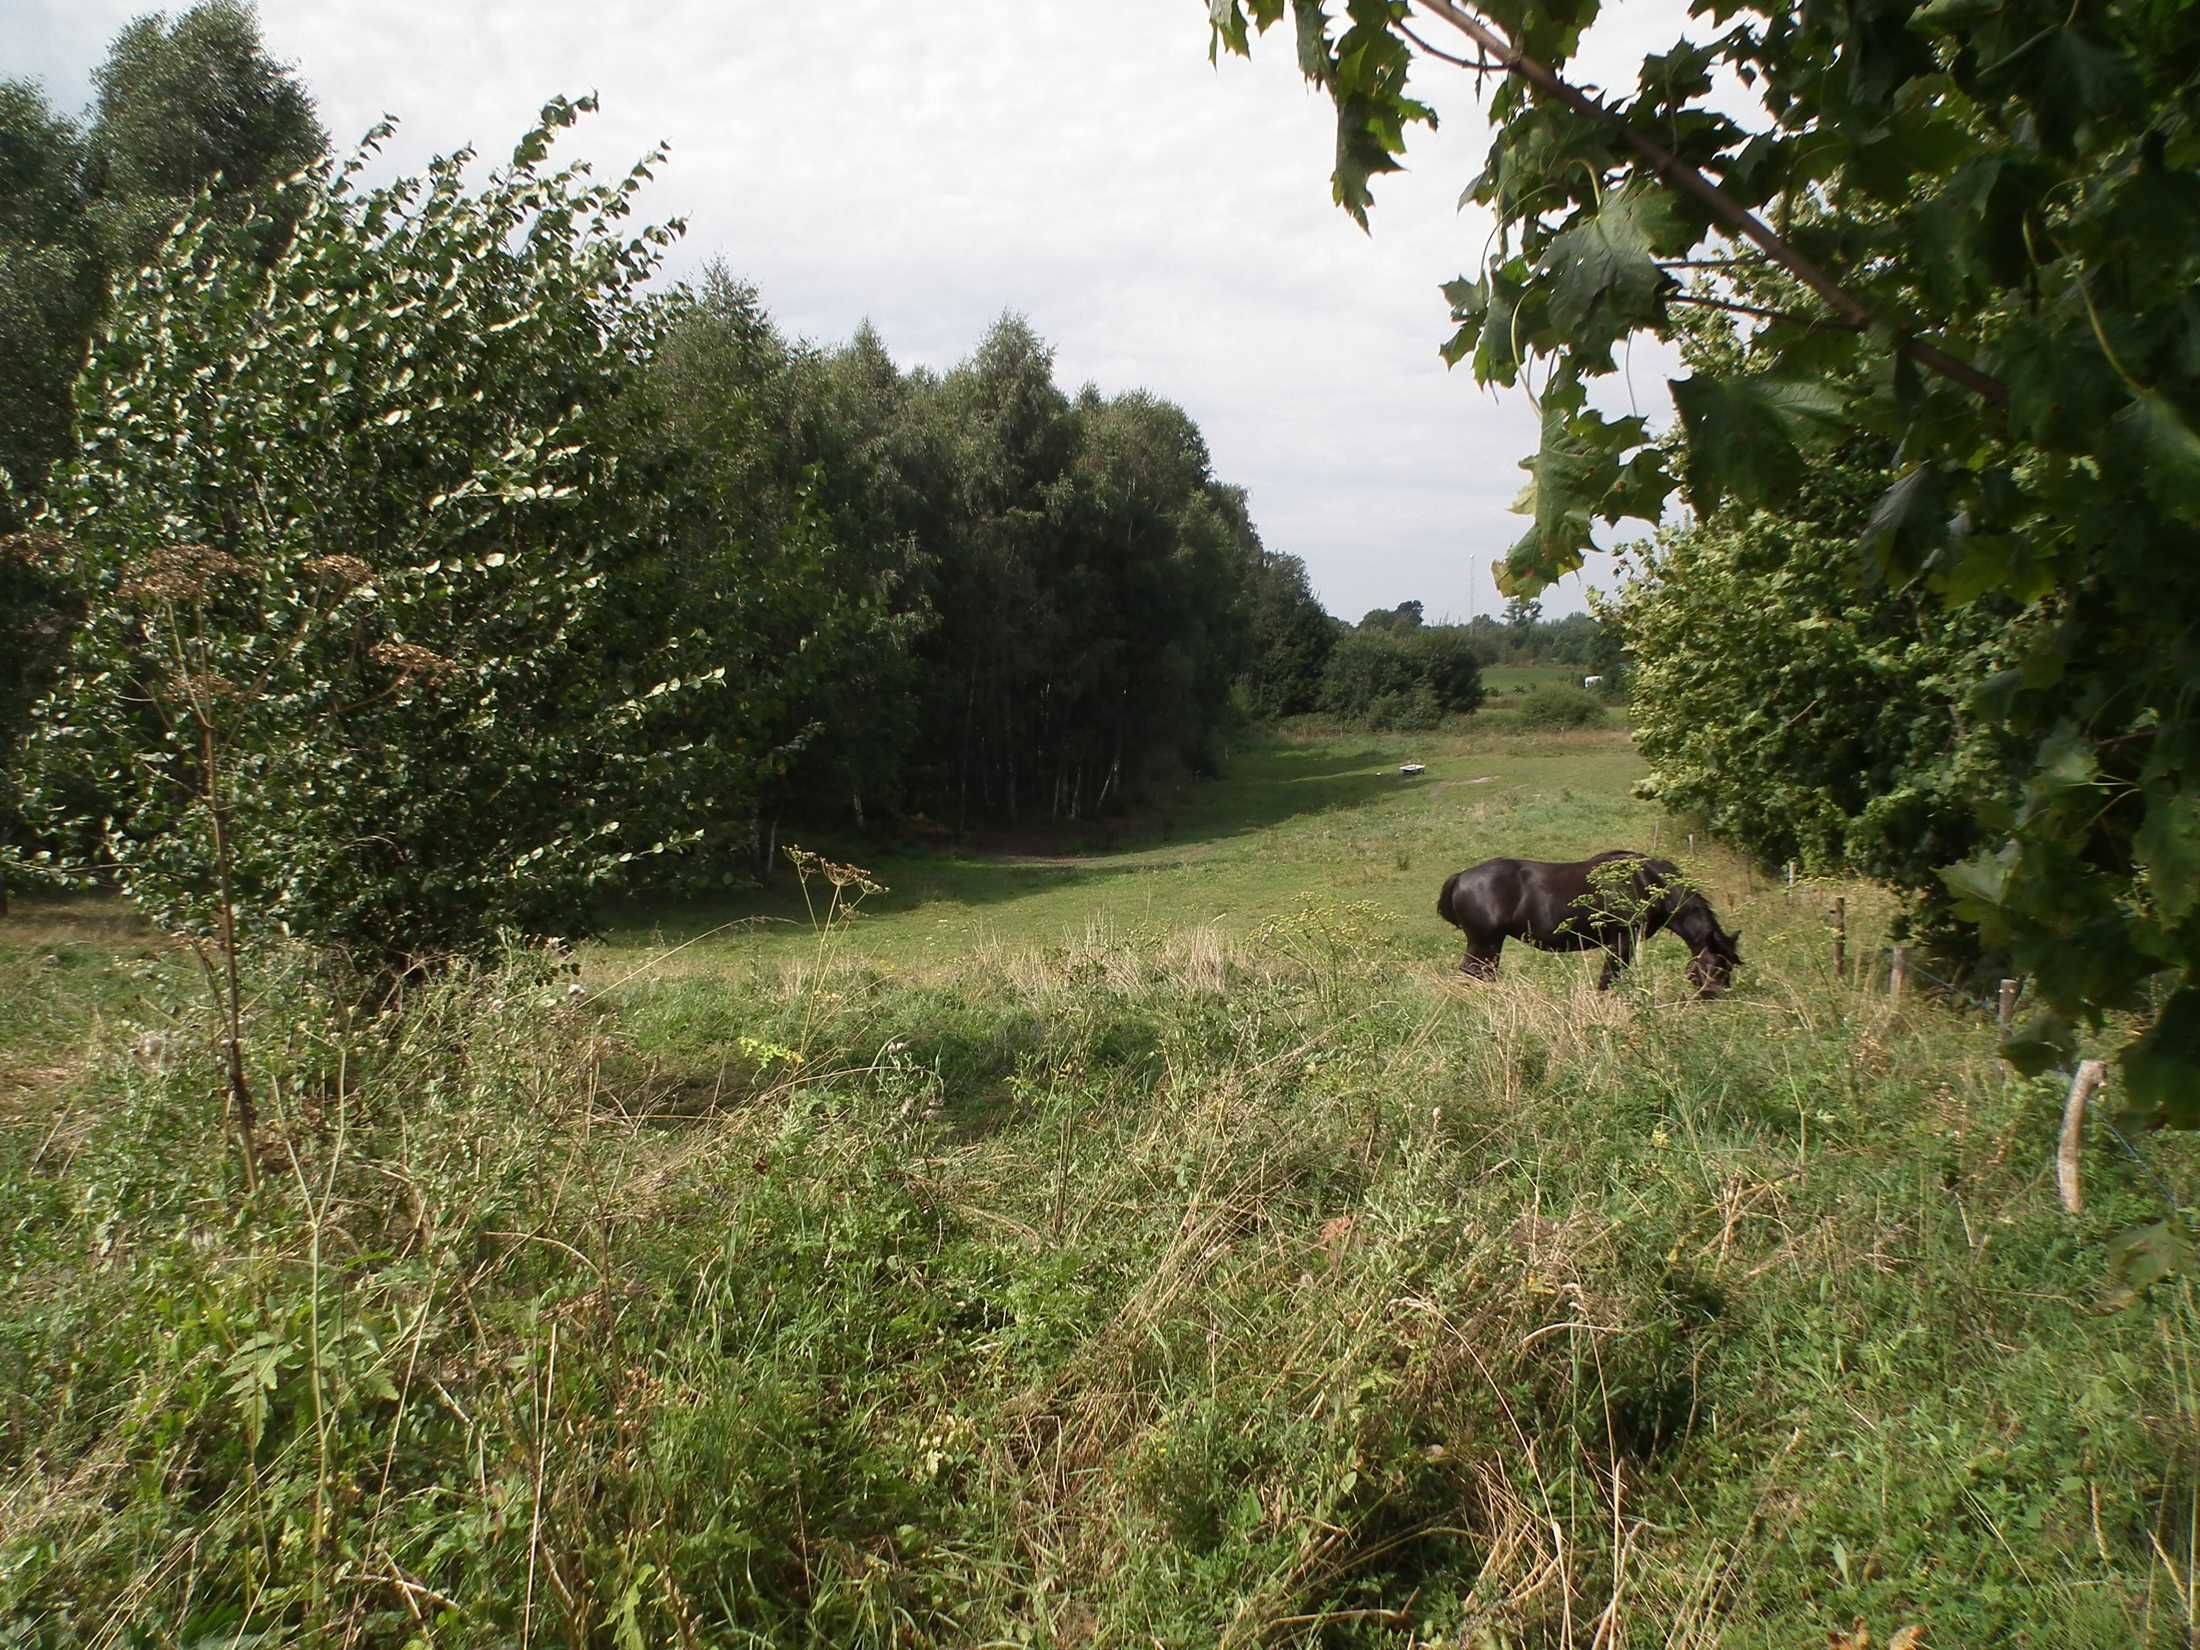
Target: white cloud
1166, 225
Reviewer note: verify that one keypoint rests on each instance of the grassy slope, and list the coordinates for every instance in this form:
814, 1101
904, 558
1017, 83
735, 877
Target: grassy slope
1169, 1253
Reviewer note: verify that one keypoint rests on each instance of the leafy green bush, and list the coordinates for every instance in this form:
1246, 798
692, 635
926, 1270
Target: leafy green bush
1412, 711
1756, 655
1551, 706
375, 648
1384, 678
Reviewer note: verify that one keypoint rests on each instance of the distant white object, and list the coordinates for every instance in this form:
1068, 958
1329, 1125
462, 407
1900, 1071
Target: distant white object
1592, 681
1411, 768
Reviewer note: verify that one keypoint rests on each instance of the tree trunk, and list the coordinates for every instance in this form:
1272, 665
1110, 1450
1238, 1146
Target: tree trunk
962, 765
764, 843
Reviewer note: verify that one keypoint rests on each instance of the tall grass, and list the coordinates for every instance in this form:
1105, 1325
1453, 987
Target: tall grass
1153, 1287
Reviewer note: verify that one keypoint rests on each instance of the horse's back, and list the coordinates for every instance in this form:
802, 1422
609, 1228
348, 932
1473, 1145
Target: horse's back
1485, 898
1527, 899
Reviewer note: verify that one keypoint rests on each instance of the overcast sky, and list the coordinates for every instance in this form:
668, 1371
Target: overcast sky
1164, 224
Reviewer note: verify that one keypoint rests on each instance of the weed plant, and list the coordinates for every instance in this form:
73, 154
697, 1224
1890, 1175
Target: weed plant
1552, 706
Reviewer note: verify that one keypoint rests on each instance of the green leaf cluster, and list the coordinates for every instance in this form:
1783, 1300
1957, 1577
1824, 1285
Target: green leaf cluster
181, 106
1804, 717
1381, 677
370, 650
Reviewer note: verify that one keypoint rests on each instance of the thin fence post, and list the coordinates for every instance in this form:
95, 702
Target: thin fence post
1691, 841
1840, 915
2088, 1078
1657, 829
2006, 1010
1898, 972
1791, 879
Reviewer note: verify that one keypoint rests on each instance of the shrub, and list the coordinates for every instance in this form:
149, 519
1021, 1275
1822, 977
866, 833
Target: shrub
1413, 710
1384, 679
1848, 711
1553, 706
372, 615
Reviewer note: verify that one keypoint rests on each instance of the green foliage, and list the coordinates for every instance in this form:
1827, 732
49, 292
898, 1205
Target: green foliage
1085, 580
1555, 706
780, 565
50, 283
1982, 252
1292, 635
178, 104
183, 107
1577, 639
1847, 708
1401, 678
964, 596
371, 650
1406, 616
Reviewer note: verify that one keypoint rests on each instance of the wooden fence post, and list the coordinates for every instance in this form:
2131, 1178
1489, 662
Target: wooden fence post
1898, 972
2082, 1086
1840, 915
1791, 879
2006, 1010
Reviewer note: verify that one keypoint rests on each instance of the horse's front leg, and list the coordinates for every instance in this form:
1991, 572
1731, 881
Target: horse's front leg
1480, 962
1617, 956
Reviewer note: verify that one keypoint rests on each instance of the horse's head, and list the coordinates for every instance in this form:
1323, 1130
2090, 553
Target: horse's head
1711, 969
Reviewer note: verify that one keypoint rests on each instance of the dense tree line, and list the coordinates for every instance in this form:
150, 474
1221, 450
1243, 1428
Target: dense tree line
1292, 635
399, 563
1056, 593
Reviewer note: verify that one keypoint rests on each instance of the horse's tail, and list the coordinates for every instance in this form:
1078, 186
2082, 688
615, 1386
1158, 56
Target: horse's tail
1443, 900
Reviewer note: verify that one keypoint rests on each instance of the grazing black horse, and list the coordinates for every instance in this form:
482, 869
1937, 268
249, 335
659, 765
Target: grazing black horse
1609, 903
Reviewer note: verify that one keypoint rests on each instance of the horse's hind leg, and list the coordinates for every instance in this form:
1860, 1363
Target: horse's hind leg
1480, 962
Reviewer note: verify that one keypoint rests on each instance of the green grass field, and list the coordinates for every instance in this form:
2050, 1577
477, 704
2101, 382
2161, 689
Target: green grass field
1332, 818
1157, 1247
1508, 681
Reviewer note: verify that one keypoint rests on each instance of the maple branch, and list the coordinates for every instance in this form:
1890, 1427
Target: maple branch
1729, 211
1809, 322
1710, 263
1480, 65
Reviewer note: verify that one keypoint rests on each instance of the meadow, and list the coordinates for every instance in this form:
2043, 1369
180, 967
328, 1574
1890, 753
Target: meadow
1158, 1244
